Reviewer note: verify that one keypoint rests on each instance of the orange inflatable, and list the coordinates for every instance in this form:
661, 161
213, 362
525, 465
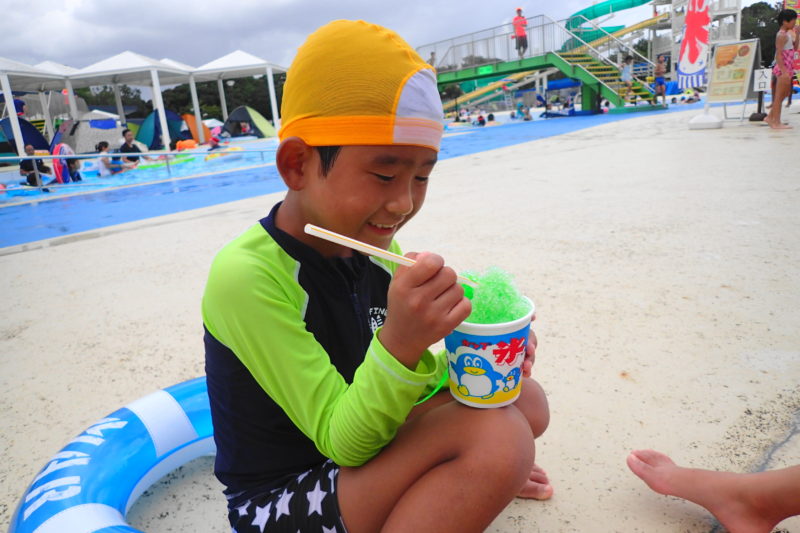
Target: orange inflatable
186, 144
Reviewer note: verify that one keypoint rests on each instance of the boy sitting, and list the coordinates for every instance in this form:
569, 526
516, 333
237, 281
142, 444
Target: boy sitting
316, 355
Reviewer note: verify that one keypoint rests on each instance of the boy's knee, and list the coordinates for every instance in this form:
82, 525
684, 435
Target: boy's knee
533, 404
500, 442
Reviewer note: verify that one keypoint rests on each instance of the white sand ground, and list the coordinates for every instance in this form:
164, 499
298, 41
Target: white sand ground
663, 263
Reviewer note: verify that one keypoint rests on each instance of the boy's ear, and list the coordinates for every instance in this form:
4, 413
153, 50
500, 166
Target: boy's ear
293, 160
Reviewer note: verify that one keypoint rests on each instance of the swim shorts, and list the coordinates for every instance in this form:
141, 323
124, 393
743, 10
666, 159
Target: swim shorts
306, 503
660, 81
522, 42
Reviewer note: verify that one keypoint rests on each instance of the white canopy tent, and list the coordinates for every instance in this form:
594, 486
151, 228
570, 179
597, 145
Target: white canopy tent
54, 68
133, 69
195, 102
25, 78
240, 64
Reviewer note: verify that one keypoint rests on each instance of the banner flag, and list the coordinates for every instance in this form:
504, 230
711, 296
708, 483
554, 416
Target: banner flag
693, 57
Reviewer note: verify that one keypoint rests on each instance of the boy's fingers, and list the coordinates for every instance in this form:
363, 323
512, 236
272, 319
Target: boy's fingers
401, 269
427, 266
460, 311
443, 281
527, 366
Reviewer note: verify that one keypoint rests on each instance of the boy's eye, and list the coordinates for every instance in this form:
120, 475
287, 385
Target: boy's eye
384, 178
422, 179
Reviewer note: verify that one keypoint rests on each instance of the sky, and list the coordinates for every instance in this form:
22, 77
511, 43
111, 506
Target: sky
81, 32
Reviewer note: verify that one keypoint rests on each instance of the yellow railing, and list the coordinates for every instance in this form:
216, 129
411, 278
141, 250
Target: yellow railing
625, 31
465, 98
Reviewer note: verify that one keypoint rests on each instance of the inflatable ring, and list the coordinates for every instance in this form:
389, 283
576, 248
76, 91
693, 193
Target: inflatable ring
60, 167
95, 479
183, 158
224, 152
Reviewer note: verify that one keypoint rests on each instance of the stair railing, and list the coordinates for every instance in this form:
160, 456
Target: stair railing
485, 47
650, 66
565, 36
496, 45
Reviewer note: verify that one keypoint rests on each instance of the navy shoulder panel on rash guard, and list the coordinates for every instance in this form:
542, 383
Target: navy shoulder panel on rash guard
340, 302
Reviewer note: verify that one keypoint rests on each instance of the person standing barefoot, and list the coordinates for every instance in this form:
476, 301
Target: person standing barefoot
743, 503
785, 45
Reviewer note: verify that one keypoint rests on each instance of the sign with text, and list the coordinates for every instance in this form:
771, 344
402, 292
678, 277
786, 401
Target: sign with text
761, 80
692, 68
731, 71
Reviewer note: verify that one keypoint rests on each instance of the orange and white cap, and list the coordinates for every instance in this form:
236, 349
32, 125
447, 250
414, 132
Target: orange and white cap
356, 83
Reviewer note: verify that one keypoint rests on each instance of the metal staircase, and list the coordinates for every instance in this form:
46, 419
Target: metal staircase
609, 46
491, 52
610, 76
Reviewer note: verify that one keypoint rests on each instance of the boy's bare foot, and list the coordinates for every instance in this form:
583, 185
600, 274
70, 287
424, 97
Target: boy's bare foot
729, 497
537, 486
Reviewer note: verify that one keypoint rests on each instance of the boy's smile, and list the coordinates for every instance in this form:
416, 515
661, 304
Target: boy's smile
369, 193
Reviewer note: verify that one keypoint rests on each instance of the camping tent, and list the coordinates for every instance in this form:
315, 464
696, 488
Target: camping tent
256, 124
191, 123
84, 134
30, 134
150, 131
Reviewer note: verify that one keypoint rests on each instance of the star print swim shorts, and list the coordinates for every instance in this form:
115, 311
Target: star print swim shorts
306, 503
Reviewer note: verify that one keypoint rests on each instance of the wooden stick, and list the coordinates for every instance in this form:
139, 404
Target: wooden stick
368, 249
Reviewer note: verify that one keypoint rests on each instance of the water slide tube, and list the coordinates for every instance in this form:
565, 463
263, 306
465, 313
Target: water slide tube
599, 10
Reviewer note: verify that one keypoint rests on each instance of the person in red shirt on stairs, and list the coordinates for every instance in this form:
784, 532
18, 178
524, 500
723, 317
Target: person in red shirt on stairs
520, 32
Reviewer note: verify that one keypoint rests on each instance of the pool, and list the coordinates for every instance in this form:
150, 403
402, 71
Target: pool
194, 185
185, 165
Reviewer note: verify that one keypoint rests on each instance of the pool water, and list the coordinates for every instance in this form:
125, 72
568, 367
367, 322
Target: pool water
183, 166
140, 194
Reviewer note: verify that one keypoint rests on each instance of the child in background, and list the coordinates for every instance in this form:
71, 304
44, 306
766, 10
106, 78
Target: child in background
660, 83
753, 503
786, 43
108, 166
316, 355
627, 77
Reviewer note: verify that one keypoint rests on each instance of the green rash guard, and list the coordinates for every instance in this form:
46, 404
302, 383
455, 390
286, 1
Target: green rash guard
295, 370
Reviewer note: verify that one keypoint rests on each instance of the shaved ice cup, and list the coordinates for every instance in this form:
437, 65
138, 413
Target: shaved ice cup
485, 361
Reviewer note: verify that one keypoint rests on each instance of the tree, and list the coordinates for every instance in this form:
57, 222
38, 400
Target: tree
104, 95
642, 46
251, 92
451, 91
759, 22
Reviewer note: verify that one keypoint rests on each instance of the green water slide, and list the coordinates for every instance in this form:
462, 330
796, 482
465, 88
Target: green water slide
596, 11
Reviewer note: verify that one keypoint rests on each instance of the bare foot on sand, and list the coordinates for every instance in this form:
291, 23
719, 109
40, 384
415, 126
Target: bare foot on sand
738, 501
776, 125
537, 487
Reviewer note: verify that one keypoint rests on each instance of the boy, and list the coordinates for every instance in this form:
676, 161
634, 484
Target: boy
660, 82
27, 170
316, 355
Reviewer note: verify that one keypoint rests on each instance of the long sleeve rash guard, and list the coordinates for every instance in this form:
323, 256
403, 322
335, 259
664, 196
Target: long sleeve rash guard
295, 369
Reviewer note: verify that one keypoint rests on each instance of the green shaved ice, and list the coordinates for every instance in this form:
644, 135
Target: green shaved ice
468, 292
496, 299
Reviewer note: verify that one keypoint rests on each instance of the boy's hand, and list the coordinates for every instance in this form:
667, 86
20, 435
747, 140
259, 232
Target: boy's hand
425, 303
530, 352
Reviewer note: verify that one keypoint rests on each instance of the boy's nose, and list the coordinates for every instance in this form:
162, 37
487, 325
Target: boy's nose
401, 202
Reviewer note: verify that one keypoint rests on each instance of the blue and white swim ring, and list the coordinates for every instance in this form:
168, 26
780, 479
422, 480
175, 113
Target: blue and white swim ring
95, 479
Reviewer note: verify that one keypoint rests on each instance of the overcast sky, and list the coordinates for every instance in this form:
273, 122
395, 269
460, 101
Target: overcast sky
80, 32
